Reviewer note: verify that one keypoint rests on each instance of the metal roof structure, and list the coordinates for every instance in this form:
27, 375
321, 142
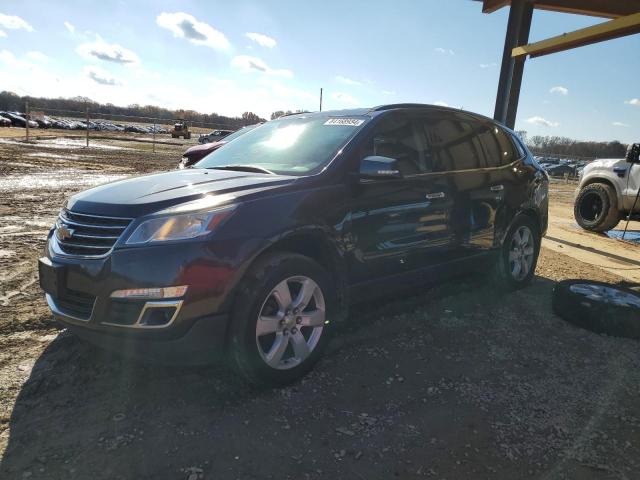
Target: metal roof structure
625, 20
593, 8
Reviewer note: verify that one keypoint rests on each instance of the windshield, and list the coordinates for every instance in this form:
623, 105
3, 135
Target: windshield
290, 146
237, 133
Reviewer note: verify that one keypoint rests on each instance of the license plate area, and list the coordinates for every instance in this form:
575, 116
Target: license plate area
52, 277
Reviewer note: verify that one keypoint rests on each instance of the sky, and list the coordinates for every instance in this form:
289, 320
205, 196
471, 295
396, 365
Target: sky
262, 56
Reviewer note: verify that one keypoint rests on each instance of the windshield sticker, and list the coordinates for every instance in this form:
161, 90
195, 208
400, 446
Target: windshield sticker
348, 122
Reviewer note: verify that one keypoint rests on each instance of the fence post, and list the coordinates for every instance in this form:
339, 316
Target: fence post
87, 112
154, 135
26, 115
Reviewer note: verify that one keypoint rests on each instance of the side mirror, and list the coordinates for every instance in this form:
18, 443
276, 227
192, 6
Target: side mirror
633, 153
379, 168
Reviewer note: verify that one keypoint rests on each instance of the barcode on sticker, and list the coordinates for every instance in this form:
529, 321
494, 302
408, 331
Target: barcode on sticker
348, 122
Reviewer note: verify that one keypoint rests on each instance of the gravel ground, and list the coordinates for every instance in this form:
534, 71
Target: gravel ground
456, 381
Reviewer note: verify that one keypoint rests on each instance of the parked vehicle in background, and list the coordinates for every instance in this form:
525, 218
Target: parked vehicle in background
607, 192
196, 153
18, 120
214, 136
181, 129
562, 170
256, 252
4, 121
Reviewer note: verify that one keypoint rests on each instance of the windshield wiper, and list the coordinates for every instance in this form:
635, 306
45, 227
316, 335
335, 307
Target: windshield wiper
243, 168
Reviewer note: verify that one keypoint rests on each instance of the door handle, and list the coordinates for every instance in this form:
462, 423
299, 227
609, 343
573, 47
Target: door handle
497, 188
431, 196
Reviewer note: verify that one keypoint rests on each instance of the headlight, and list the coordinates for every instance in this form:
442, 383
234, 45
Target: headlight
179, 227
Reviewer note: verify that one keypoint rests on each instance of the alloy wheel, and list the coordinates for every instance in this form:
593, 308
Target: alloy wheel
521, 253
290, 322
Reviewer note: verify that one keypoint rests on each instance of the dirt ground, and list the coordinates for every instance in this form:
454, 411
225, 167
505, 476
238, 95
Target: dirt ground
455, 382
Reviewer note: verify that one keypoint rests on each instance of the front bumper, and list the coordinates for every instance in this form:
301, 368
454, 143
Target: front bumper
196, 326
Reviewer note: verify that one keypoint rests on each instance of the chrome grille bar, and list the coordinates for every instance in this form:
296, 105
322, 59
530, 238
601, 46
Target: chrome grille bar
81, 234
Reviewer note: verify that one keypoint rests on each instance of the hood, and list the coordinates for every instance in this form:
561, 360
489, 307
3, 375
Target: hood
139, 196
605, 164
202, 150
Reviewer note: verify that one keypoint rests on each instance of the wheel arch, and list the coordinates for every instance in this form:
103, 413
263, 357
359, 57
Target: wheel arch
312, 243
607, 181
528, 212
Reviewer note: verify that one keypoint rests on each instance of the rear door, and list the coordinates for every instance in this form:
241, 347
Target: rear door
459, 161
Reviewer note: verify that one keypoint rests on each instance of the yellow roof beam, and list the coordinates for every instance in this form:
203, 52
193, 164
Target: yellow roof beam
617, 28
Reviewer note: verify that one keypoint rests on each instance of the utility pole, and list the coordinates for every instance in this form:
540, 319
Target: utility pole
320, 98
87, 111
26, 109
154, 135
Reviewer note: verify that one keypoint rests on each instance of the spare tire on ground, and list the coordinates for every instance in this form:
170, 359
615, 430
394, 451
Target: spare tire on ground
599, 307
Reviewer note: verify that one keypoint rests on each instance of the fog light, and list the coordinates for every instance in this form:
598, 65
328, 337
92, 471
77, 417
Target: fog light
155, 293
157, 317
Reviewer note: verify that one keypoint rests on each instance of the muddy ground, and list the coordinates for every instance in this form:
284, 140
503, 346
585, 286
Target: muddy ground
456, 381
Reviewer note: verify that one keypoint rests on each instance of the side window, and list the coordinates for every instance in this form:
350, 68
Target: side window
521, 153
498, 145
491, 146
452, 143
396, 137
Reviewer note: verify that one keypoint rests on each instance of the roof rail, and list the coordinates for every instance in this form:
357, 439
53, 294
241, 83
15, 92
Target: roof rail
391, 106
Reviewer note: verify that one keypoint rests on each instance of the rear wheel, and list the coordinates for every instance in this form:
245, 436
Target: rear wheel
519, 256
596, 207
280, 323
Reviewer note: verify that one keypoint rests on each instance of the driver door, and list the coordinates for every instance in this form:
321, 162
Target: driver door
395, 221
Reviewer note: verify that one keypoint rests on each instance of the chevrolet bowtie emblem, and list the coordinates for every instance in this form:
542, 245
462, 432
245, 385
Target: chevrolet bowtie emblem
64, 232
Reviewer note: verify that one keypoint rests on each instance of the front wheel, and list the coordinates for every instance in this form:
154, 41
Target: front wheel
519, 254
596, 207
280, 323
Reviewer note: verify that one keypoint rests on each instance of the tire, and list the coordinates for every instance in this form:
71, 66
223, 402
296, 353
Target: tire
598, 307
254, 346
596, 207
518, 256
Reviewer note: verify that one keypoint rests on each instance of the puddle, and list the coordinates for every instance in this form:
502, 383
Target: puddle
69, 177
58, 156
632, 236
64, 143
21, 164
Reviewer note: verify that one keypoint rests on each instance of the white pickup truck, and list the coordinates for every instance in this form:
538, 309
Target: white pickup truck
607, 192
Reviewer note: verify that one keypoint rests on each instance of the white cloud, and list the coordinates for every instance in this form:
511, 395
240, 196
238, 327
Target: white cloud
101, 77
347, 81
444, 51
11, 22
619, 124
245, 63
344, 99
388, 92
542, 122
69, 26
559, 90
488, 65
183, 25
2, 34
107, 52
37, 56
262, 40
633, 101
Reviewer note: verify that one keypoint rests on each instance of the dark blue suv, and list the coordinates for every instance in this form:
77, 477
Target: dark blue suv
257, 250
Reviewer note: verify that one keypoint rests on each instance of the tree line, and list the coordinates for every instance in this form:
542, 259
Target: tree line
564, 146
10, 101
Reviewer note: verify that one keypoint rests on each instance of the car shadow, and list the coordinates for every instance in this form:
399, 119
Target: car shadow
85, 413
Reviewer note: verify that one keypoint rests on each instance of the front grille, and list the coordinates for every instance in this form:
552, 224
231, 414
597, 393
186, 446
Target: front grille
88, 235
76, 304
